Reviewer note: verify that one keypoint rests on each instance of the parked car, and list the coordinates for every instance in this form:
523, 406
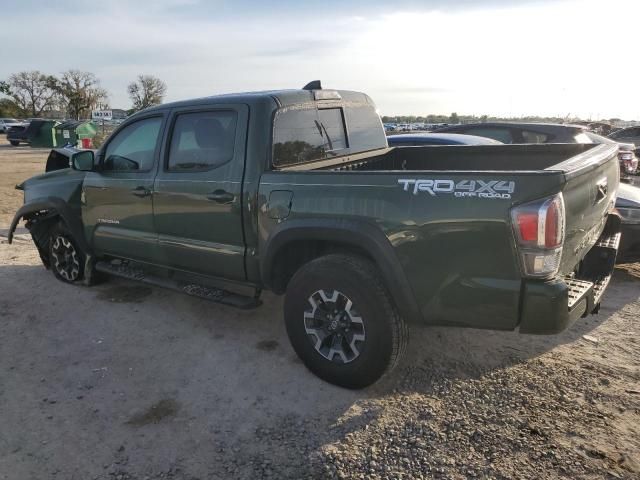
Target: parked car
297, 191
627, 135
507, 132
628, 206
17, 134
6, 123
626, 154
415, 139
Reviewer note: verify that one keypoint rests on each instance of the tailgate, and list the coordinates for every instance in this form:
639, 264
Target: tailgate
592, 180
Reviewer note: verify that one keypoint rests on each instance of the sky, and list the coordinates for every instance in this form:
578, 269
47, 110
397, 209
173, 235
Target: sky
506, 58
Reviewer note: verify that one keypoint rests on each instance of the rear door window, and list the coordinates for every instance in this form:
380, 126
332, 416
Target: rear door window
202, 140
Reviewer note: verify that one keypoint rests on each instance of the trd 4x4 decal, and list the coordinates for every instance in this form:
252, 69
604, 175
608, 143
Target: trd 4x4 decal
463, 188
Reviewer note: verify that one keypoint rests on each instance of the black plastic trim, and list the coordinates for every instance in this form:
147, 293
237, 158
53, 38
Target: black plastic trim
73, 222
361, 235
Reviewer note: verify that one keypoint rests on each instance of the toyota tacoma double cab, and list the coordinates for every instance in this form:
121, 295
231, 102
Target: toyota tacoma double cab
297, 192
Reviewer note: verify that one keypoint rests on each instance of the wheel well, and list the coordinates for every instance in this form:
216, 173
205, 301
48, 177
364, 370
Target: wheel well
293, 255
39, 224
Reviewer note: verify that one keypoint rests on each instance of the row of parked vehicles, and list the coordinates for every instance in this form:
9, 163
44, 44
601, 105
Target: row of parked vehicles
47, 133
528, 133
300, 192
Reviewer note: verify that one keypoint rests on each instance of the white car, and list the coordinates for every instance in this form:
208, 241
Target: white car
5, 123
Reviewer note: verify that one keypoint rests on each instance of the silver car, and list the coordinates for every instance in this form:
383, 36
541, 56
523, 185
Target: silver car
5, 123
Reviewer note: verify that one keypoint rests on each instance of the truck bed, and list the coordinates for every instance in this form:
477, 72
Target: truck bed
464, 158
447, 213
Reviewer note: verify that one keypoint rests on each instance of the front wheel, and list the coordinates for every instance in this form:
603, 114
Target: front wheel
14, 143
65, 257
341, 321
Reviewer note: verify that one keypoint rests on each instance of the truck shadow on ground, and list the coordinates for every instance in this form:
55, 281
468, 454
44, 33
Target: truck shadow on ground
229, 371
483, 350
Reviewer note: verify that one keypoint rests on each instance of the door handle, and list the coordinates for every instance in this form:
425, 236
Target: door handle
141, 192
220, 196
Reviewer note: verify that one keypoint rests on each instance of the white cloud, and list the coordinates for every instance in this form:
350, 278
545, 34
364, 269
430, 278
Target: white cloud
538, 58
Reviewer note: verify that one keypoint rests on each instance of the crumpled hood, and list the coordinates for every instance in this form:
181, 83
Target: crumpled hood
63, 184
56, 175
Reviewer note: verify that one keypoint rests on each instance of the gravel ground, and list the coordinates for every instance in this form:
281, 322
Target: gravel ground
123, 381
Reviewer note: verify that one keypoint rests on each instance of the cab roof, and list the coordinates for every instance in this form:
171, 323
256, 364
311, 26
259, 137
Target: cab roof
282, 98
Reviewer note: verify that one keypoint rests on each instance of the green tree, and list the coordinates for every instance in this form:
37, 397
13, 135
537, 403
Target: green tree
9, 108
80, 92
5, 89
453, 118
31, 91
146, 91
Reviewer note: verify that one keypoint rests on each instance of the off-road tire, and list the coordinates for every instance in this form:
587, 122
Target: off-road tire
64, 251
385, 331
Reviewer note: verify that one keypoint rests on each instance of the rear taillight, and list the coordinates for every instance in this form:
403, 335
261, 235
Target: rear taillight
539, 228
629, 162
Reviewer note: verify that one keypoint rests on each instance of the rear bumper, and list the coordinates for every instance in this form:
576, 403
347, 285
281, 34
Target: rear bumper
630, 244
550, 307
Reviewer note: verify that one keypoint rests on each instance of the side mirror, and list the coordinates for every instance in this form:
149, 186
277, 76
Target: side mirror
83, 161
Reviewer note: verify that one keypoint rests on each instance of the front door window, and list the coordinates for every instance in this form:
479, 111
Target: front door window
133, 148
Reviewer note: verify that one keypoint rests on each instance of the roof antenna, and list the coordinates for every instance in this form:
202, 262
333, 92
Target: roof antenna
313, 85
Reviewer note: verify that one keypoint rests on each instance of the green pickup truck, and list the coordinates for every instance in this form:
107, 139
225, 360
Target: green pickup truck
297, 192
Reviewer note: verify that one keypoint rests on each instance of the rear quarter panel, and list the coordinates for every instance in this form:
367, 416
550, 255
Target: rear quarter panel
457, 252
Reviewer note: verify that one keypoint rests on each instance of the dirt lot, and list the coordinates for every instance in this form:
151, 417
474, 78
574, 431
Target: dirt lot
123, 381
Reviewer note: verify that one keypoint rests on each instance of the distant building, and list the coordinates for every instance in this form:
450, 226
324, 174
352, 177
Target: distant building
118, 114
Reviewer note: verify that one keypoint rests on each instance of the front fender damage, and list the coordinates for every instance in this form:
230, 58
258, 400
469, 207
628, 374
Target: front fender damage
38, 221
40, 216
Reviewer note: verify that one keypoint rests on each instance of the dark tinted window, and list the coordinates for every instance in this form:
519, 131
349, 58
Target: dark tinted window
332, 124
305, 135
365, 129
133, 147
202, 140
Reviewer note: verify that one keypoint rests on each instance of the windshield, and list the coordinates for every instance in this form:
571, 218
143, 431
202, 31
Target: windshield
10, 120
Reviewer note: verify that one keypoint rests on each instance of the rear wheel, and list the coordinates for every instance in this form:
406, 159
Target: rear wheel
341, 321
65, 257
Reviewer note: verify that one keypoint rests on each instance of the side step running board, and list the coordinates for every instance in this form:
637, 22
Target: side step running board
126, 270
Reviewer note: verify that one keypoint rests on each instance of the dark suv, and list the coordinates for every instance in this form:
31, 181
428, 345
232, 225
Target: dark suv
507, 132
